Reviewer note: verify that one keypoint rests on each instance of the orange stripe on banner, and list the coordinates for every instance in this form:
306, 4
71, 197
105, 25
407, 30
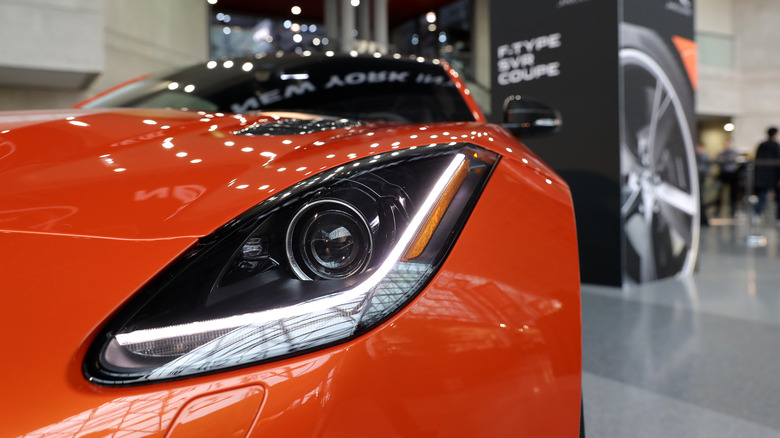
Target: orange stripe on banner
690, 58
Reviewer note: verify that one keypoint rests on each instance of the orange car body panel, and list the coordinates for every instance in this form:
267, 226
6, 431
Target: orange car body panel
491, 347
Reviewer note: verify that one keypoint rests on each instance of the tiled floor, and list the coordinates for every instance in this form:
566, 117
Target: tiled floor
698, 357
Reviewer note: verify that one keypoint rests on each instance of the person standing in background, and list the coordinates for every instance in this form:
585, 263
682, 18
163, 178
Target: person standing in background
704, 166
767, 170
729, 175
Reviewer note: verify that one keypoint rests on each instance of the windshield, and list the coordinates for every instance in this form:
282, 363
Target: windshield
360, 88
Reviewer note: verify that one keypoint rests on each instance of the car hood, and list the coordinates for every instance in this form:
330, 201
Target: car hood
147, 174
151, 173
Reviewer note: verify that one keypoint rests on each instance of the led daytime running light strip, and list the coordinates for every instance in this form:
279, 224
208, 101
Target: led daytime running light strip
315, 306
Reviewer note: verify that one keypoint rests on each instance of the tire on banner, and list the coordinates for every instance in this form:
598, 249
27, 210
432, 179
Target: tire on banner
659, 182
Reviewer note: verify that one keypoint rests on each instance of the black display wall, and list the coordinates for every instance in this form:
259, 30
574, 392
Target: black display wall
615, 71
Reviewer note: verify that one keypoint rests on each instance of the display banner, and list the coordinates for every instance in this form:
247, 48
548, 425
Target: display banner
619, 73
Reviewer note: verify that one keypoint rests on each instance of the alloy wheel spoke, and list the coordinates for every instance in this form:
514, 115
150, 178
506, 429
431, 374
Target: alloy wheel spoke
676, 198
639, 234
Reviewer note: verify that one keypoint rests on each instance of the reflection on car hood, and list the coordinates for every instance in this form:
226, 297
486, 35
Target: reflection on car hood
149, 174
297, 126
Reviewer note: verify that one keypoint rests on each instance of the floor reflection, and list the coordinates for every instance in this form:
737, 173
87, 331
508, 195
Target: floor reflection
678, 356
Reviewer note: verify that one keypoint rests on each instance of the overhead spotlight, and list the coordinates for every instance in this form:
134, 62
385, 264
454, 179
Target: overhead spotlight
728, 127
212, 2
296, 10
430, 17
355, 3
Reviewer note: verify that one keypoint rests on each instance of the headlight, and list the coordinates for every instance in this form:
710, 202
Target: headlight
318, 264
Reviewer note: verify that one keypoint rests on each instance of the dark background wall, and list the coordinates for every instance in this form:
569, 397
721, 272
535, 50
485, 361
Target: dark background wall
575, 72
627, 171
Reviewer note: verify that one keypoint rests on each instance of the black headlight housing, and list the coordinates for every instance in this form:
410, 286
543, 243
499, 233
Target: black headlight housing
315, 265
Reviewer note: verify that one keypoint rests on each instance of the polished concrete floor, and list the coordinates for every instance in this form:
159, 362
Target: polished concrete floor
697, 357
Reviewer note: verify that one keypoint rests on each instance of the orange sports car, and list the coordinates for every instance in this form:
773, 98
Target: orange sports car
286, 246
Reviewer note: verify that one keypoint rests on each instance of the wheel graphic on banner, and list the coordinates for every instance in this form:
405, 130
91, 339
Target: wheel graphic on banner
659, 182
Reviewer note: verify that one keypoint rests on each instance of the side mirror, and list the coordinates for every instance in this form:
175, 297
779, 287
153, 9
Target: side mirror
527, 117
